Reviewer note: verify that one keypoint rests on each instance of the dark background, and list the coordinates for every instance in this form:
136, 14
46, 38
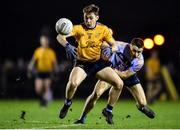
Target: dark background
22, 23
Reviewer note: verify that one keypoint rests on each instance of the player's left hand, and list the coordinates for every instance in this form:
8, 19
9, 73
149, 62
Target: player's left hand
71, 51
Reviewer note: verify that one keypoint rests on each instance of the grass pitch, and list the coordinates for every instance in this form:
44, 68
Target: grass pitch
28, 114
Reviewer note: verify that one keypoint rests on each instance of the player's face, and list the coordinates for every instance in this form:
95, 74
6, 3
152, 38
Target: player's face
135, 51
90, 20
44, 41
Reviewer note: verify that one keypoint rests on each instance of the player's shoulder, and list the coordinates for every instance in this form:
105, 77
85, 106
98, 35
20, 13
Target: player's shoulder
77, 26
101, 25
82, 25
140, 59
38, 49
51, 50
121, 45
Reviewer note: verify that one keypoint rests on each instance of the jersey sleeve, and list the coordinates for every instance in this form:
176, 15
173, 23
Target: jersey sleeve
108, 35
137, 64
75, 30
120, 46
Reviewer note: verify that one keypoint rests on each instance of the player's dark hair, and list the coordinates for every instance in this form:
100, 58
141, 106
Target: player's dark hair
91, 9
137, 42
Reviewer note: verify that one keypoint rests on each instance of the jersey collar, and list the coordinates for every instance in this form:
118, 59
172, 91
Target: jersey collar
84, 26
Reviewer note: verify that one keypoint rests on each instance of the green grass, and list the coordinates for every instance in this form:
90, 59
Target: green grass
167, 115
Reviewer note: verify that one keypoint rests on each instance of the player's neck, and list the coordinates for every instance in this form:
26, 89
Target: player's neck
84, 25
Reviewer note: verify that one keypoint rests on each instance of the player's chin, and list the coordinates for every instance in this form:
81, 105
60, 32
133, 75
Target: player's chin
104, 57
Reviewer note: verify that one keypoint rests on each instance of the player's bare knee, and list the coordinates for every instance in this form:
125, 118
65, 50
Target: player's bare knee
38, 91
95, 96
118, 85
73, 84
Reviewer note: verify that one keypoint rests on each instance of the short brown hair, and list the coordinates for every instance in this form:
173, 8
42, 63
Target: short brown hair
137, 42
91, 9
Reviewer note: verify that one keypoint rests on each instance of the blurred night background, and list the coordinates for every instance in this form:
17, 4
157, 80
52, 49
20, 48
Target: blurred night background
22, 22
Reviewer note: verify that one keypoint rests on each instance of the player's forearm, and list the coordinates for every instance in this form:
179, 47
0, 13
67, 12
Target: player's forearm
110, 44
114, 46
121, 75
124, 74
31, 65
62, 40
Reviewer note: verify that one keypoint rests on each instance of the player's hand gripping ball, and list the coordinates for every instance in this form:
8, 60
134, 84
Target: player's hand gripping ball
64, 26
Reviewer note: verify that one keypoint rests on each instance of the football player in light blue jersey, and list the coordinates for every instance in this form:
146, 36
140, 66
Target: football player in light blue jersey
126, 61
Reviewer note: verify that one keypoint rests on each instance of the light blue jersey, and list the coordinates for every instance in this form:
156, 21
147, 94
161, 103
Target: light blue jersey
122, 60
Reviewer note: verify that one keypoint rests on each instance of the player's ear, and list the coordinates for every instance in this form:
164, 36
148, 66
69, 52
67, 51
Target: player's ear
97, 17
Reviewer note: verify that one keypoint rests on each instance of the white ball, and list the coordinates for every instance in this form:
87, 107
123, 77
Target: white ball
64, 26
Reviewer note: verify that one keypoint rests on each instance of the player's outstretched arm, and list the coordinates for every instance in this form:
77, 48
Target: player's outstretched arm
31, 64
113, 46
62, 39
71, 51
125, 74
30, 68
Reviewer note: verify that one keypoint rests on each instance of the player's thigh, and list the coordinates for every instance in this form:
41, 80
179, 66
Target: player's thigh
101, 87
138, 93
110, 76
77, 75
38, 84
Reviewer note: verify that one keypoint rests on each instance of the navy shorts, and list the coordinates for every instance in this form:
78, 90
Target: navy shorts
91, 68
43, 75
133, 80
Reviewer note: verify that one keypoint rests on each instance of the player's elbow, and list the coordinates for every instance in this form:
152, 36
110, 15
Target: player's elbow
59, 37
97, 95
